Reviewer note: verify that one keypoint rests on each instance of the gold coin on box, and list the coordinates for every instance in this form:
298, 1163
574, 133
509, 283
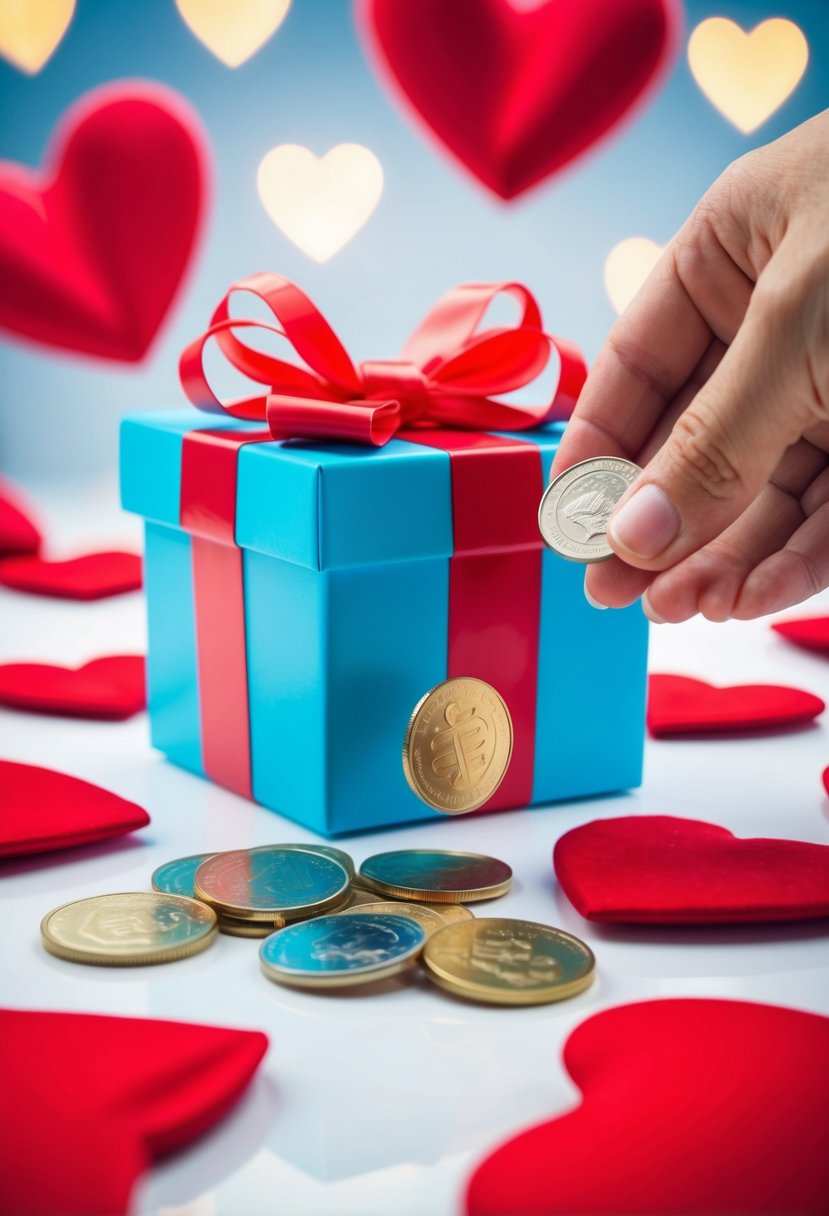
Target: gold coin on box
508, 962
458, 745
272, 884
129, 929
440, 876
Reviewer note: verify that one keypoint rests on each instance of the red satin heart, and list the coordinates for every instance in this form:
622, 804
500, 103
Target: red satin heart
826, 780
92, 576
658, 870
678, 705
18, 531
689, 1108
41, 810
812, 633
516, 93
112, 688
117, 1093
93, 249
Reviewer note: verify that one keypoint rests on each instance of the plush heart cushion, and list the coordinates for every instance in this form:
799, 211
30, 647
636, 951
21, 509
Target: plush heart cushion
112, 687
689, 1108
92, 251
812, 633
92, 576
41, 810
516, 91
678, 705
94, 1101
18, 531
655, 869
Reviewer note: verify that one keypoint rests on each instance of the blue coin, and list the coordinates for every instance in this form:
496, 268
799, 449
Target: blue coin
176, 877
348, 948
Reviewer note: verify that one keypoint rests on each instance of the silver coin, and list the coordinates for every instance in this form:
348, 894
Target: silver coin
577, 505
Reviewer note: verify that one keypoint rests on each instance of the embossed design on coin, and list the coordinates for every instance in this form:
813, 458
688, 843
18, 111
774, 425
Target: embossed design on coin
129, 929
436, 875
577, 505
458, 745
271, 883
349, 948
508, 962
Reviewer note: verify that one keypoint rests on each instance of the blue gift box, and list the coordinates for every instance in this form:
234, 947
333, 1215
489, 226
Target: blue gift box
344, 557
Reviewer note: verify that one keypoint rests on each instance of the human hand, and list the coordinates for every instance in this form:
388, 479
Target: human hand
716, 380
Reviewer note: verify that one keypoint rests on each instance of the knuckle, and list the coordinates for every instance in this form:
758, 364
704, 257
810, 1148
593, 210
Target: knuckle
699, 457
809, 570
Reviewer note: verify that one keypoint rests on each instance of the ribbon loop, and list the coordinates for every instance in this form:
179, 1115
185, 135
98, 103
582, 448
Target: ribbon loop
444, 378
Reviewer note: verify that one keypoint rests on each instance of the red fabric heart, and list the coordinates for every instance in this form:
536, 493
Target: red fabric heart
826, 780
18, 531
92, 576
41, 810
92, 250
678, 705
812, 633
515, 93
111, 688
655, 869
689, 1108
117, 1093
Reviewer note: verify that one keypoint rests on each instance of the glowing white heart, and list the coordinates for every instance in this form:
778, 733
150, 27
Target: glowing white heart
233, 29
627, 266
319, 204
30, 31
747, 75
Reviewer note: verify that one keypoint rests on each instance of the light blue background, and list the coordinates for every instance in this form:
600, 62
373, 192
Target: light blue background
434, 226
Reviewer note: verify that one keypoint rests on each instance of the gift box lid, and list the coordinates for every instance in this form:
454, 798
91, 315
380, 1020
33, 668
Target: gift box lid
322, 505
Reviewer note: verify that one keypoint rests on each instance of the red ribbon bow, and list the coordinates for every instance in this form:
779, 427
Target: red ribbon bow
444, 378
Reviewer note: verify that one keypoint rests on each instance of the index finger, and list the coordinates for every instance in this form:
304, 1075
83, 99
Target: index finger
649, 354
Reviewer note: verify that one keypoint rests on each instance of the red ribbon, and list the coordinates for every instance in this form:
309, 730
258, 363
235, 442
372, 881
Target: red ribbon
446, 375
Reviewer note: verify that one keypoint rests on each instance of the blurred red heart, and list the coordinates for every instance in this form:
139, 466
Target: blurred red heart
93, 249
93, 576
18, 531
112, 687
689, 1108
678, 705
655, 869
517, 92
812, 633
123, 1092
42, 809
826, 780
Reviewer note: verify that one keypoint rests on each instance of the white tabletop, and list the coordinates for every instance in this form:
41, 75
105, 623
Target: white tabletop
378, 1102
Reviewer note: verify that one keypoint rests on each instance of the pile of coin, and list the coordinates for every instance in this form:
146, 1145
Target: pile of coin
327, 927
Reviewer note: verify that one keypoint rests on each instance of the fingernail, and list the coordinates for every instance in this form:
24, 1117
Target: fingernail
647, 523
593, 603
653, 617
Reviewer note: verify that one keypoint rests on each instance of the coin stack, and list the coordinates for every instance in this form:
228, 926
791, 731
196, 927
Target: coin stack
327, 927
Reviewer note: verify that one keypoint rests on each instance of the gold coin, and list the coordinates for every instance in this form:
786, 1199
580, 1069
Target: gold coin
360, 895
129, 929
245, 928
458, 745
450, 914
508, 962
271, 883
428, 918
439, 876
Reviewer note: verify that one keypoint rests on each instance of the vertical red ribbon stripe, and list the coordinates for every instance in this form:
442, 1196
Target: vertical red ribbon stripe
208, 512
495, 582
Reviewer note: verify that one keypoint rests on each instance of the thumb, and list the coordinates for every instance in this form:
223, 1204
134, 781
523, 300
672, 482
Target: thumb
722, 450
